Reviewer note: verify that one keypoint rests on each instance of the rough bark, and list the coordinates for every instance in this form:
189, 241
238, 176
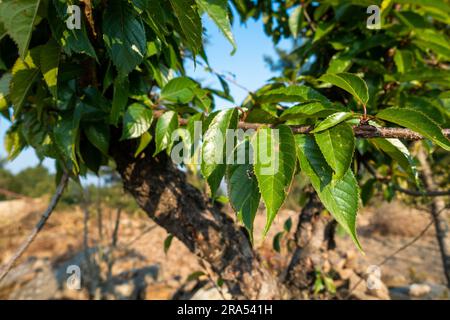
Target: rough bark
162, 191
439, 214
314, 236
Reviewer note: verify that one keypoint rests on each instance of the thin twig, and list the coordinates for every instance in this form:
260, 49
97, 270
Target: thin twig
308, 18
210, 277
111, 261
54, 201
90, 259
116, 228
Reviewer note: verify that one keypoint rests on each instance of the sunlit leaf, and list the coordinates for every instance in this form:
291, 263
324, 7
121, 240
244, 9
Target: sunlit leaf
337, 145
124, 36
165, 126
417, 122
18, 19
274, 166
214, 147
350, 83
137, 120
333, 120
242, 185
218, 12
340, 198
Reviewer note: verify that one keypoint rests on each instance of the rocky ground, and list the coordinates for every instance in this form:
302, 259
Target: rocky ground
141, 269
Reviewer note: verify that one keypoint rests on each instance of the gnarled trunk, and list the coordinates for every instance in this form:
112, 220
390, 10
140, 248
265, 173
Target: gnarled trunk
162, 191
314, 236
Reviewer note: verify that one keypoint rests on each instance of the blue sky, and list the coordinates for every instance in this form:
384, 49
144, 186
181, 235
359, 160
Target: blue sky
247, 65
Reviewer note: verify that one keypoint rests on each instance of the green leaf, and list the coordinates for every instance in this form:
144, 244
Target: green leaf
156, 19
323, 29
2, 30
350, 83
307, 110
329, 285
179, 90
395, 149
340, 198
417, 122
144, 141
189, 23
202, 99
276, 242
214, 147
287, 225
242, 186
32, 129
24, 72
5, 81
140, 5
295, 20
339, 63
435, 41
441, 5
195, 275
195, 133
137, 120
49, 61
120, 100
65, 135
337, 145
425, 74
124, 36
166, 124
90, 155
168, 243
18, 18
274, 165
98, 134
403, 60
332, 120
431, 108
293, 94
14, 143
72, 41
259, 115
218, 12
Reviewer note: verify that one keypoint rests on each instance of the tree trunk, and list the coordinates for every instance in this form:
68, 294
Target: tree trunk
162, 191
313, 238
439, 214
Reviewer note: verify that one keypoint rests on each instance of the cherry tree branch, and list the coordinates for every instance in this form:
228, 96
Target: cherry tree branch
361, 131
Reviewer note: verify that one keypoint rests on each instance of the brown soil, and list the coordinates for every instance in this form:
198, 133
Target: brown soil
140, 248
